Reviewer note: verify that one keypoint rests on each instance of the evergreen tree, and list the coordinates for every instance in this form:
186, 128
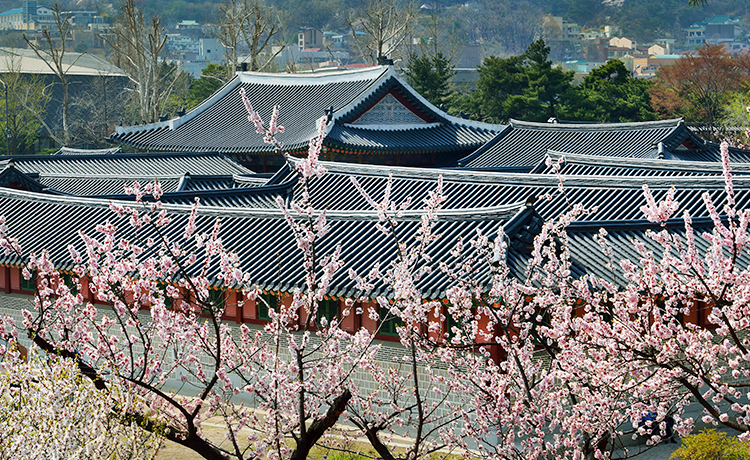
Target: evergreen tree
430, 76
609, 94
212, 78
525, 87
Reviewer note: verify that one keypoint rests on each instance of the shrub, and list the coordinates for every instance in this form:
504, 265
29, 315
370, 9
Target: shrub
712, 445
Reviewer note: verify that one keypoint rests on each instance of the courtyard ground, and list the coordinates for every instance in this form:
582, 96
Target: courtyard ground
215, 431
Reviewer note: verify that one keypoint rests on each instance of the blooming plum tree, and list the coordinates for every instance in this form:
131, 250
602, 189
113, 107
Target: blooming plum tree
587, 357
161, 326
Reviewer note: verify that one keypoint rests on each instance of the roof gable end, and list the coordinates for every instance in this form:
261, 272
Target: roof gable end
392, 108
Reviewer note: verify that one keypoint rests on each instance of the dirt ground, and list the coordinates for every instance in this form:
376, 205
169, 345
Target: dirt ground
172, 451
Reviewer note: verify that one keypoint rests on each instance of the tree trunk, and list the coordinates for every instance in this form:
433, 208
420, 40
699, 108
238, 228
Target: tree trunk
320, 426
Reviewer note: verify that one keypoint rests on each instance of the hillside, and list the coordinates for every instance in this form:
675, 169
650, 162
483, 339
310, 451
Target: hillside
643, 20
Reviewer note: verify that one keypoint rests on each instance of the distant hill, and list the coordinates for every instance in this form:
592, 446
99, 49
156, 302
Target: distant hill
643, 20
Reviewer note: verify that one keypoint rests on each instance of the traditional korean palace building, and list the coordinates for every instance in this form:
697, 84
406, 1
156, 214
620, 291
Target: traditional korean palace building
522, 145
45, 210
387, 134
373, 116
376, 129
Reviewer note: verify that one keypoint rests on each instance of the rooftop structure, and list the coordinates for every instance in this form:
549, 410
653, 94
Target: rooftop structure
477, 202
218, 181
106, 174
592, 165
372, 115
522, 145
267, 250
261, 237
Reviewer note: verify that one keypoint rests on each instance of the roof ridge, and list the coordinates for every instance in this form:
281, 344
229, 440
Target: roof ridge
502, 211
96, 156
643, 163
468, 175
314, 78
582, 225
175, 123
114, 176
462, 162
674, 122
234, 192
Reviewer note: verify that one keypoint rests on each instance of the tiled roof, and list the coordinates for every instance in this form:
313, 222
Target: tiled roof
524, 144
580, 165
588, 256
618, 199
261, 238
219, 182
220, 123
71, 151
11, 177
711, 152
267, 250
437, 137
264, 197
148, 165
233, 187
99, 185
188, 185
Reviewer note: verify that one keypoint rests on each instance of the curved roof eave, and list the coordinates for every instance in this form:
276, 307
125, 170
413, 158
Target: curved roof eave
487, 145
175, 123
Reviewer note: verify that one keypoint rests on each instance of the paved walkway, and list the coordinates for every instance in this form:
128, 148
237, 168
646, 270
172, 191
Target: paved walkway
660, 452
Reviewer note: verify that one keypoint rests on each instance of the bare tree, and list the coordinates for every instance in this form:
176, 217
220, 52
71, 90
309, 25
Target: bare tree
248, 27
386, 25
229, 33
436, 33
96, 112
502, 27
139, 49
522, 26
52, 52
27, 105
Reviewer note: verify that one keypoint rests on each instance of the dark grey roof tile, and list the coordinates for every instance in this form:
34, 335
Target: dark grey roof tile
130, 164
594, 165
618, 197
261, 238
525, 144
